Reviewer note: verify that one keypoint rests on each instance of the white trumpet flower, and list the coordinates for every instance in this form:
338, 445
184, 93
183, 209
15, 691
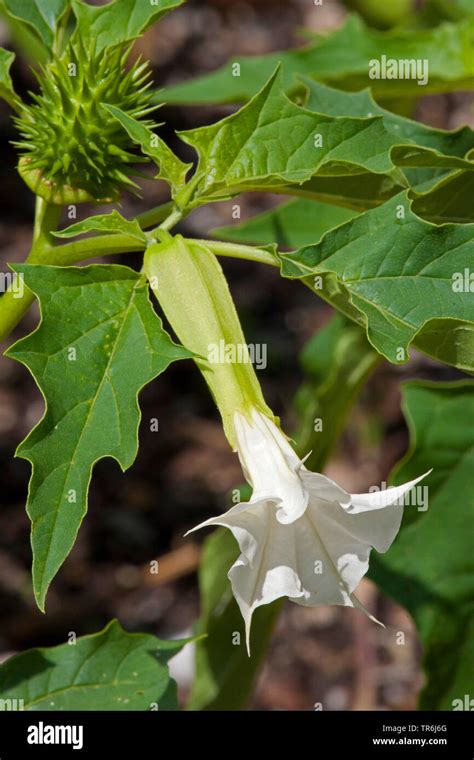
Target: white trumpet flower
301, 535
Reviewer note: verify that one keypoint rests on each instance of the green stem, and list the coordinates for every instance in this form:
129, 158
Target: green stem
155, 215
12, 306
12, 309
47, 218
237, 251
45, 250
170, 221
90, 248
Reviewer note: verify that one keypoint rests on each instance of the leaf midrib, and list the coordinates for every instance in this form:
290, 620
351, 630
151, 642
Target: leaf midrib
93, 401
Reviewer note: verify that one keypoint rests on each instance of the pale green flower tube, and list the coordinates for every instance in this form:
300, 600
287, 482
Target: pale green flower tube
192, 290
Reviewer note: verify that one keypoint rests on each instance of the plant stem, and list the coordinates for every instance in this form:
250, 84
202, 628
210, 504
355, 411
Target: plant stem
47, 218
12, 309
237, 251
45, 250
12, 306
155, 215
90, 248
175, 216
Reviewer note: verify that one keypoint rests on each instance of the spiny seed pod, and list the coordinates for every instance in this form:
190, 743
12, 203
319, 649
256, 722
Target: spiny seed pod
73, 149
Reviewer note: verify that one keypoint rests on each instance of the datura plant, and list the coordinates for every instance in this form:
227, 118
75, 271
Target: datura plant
379, 225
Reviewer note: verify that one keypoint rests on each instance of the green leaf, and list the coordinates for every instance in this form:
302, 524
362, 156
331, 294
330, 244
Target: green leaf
110, 670
6, 85
39, 16
291, 224
450, 200
342, 59
449, 341
398, 273
430, 567
172, 169
338, 358
90, 371
120, 20
358, 192
271, 142
330, 101
113, 222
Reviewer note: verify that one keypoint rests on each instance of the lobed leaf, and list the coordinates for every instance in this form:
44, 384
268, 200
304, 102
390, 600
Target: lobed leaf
99, 342
358, 192
272, 142
437, 142
398, 273
110, 670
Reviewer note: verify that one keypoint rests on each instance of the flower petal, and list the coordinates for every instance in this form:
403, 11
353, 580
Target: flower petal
265, 570
330, 561
317, 570
349, 538
321, 487
364, 502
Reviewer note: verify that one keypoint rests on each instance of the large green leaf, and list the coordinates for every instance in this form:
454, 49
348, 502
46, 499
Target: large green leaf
340, 358
110, 670
98, 344
118, 21
39, 16
342, 59
304, 221
272, 142
450, 200
430, 567
396, 272
358, 192
334, 102
291, 224
172, 169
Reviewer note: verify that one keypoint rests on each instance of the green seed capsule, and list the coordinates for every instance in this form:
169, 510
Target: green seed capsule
73, 150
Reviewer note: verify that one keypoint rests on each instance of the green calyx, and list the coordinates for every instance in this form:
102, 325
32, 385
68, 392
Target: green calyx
73, 150
192, 290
